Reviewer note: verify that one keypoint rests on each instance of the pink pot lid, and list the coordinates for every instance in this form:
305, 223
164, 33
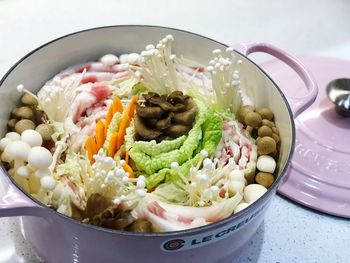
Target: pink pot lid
319, 176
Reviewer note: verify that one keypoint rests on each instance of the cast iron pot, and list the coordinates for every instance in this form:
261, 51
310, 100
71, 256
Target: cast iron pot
58, 238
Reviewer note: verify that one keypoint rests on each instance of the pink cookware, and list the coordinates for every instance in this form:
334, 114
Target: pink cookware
57, 238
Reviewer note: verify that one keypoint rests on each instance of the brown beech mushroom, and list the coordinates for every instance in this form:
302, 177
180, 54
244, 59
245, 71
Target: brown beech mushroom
266, 145
11, 124
265, 113
264, 131
267, 123
242, 112
29, 100
45, 131
275, 137
252, 119
23, 112
23, 125
264, 179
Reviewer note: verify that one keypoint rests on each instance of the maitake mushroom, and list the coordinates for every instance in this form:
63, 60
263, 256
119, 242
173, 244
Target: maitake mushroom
164, 117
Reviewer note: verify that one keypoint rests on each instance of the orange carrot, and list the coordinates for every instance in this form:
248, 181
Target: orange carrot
132, 106
125, 122
117, 139
129, 170
91, 148
100, 134
113, 145
126, 158
117, 105
109, 116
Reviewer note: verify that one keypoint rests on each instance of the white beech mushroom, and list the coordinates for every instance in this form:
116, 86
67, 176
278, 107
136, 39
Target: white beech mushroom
18, 152
40, 158
13, 136
266, 164
4, 142
253, 192
32, 137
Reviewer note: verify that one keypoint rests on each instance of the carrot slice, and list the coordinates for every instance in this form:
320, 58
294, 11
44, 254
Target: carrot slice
129, 170
91, 148
100, 134
113, 145
117, 105
109, 116
132, 106
125, 122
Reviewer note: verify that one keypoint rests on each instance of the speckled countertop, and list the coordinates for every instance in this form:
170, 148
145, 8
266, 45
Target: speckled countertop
290, 233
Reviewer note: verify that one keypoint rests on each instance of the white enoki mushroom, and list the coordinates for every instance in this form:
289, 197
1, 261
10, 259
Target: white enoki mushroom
157, 67
198, 184
109, 59
57, 93
111, 180
225, 79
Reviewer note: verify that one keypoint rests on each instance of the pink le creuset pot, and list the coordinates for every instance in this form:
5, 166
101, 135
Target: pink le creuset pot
57, 238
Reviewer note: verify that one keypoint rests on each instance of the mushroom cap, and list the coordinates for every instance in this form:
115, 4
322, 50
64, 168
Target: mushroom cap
252, 119
253, 192
266, 145
265, 179
4, 142
39, 158
23, 125
32, 137
109, 59
265, 113
18, 150
237, 175
266, 164
236, 186
45, 131
23, 171
48, 182
13, 136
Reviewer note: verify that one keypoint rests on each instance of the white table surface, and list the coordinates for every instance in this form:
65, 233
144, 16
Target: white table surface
290, 232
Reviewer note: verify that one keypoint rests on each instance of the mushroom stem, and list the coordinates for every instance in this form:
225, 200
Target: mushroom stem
22, 181
20, 88
56, 154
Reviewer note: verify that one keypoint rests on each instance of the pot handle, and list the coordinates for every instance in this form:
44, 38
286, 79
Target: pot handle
13, 202
297, 104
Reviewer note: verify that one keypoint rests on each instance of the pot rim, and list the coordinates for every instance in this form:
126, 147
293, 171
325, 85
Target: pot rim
244, 212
